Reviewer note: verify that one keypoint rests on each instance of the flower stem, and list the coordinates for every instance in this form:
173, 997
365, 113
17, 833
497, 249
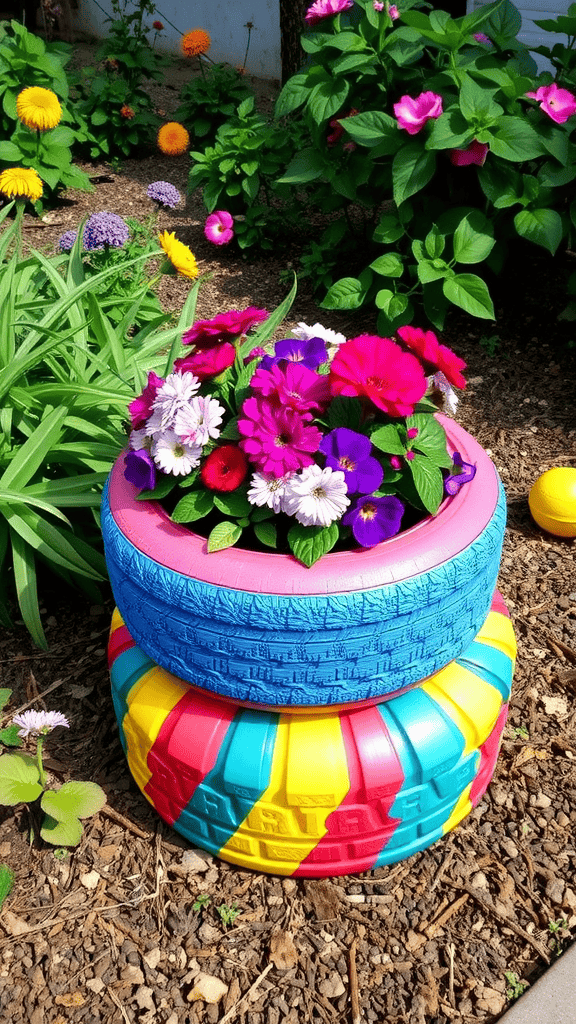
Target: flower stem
41, 771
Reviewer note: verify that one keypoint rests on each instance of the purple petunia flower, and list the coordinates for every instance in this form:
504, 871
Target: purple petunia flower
452, 484
67, 240
374, 519
140, 470
311, 352
164, 193
348, 451
105, 229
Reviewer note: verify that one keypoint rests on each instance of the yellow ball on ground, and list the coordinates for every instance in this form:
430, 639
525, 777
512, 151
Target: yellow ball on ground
552, 501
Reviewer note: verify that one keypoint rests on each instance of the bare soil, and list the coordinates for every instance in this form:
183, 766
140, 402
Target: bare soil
111, 933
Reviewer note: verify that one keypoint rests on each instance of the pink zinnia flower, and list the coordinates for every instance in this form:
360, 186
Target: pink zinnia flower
141, 408
326, 9
412, 113
475, 153
559, 104
293, 385
207, 362
433, 354
393, 12
206, 333
277, 440
378, 5
219, 227
378, 369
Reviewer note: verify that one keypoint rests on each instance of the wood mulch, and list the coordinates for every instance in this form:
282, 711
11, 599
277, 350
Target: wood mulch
127, 925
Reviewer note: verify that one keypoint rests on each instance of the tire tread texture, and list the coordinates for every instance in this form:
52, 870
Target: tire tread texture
322, 649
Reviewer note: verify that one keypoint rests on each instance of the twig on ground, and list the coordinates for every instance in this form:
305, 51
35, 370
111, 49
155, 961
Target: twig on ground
119, 819
234, 1010
115, 1000
504, 918
353, 975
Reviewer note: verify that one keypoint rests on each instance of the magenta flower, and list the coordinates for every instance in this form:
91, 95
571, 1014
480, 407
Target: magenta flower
412, 113
292, 385
392, 11
378, 5
559, 104
223, 327
207, 362
374, 519
475, 153
219, 227
140, 470
321, 9
466, 473
277, 440
481, 38
348, 451
141, 408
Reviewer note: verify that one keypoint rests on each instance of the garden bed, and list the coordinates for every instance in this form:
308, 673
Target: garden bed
123, 927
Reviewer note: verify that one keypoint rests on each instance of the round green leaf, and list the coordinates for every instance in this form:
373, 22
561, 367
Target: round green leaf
18, 779
73, 799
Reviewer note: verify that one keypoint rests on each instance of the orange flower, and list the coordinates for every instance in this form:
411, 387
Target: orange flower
173, 138
126, 112
195, 42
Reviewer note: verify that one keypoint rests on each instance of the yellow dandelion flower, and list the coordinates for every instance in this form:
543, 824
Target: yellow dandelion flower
21, 181
180, 256
195, 42
38, 108
173, 138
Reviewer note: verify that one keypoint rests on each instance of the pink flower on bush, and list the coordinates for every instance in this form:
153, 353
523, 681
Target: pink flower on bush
481, 38
434, 355
412, 113
393, 12
219, 227
326, 9
559, 104
378, 5
207, 362
475, 153
380, 370
293, 386
277, 440
223, 326
141, 408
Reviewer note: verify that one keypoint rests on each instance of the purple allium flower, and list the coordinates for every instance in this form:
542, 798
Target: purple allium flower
39, 723
452, 484
374, 519
311, 352
105, 229
66, 241
348, 451
164, 193
140, 470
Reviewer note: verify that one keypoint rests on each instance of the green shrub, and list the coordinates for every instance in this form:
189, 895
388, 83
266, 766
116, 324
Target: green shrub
208, 101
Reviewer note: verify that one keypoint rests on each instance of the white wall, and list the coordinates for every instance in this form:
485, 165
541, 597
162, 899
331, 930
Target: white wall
224, 20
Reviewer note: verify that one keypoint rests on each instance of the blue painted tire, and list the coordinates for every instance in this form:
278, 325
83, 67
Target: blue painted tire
262, 629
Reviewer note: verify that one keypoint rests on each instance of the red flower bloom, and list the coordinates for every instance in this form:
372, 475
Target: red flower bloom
224, 469
158, 26
126, 112
337, 128
141, 407
434, 355
206, 333
378, 369
207, 362
475, 153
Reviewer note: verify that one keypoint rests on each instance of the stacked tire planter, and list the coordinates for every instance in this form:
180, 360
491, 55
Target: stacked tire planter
314, 721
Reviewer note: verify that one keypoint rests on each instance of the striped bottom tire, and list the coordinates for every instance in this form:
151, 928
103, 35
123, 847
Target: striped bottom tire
316, 794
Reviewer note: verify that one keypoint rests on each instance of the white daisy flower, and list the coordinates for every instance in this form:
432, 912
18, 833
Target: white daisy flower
175, 393
316, 497
450, 395
140, 439
173, 456
39, 723
199, 420
304, 332
267, 489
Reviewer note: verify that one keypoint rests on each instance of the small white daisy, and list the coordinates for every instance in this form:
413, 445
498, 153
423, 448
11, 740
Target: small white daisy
173, 456
304, 332
316, 497
450, 395
267, 489
140, 439
175, 393
39, 723
199, 420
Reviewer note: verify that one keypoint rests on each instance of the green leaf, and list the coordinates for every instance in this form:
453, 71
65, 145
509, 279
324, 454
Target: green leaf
224, 535
9, 736
389, 439
428, 481
371, 128
164, 485
543, 227
473, 238
5, 693
327, 98
430, 440
469, 292
308, 165
235, 503
388, 265
6, 882
514, 139
477, 102
192, 507
266, 533
18, 779
347, 293
26, 588
309, 543
61, 833
388, 230
293, 95
434, 243
412, 168
34, 451
344, 412
73, 800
